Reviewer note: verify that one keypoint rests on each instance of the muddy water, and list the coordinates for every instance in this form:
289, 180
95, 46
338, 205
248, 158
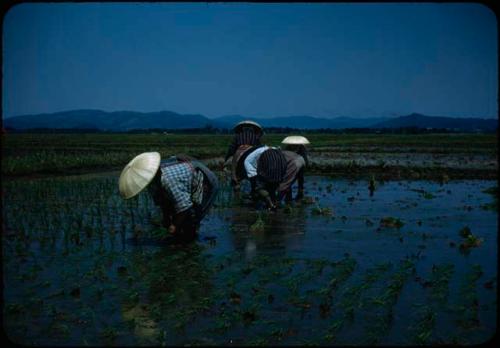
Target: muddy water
83, 267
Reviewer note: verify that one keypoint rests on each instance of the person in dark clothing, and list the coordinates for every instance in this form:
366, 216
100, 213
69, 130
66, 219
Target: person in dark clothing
247, 135
297, 144
267, 174
294, 172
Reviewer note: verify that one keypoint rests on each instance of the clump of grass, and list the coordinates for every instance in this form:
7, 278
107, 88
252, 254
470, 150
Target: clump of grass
469, 240
440, 279
391, 222
494, 205
428, 195
424, 326
468, 309
258, 225
325, 211
382, 321
308, 200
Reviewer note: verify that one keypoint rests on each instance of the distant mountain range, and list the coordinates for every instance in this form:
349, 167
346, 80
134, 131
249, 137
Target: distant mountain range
131, 120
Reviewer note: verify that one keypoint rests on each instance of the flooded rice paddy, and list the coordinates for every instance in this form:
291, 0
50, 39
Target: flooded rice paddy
413, 263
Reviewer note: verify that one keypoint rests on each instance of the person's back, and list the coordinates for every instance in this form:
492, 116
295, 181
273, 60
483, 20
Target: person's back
247, 136
295, 165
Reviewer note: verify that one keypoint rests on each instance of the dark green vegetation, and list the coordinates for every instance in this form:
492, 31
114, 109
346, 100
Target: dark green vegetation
388, 155
83, 267
493, 205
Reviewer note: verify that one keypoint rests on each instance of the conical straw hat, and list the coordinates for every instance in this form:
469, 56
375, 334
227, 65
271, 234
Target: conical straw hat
295, 140
138, 173
247, 123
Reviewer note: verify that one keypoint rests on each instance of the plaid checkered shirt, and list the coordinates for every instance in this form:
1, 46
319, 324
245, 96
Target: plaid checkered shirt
183, 184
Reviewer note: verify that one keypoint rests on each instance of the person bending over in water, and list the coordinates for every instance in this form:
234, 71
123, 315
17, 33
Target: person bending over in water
297, 144
295, 165
183, 187
266, 168
247, 135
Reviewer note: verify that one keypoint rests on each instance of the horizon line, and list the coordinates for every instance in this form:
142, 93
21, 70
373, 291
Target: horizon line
249, 117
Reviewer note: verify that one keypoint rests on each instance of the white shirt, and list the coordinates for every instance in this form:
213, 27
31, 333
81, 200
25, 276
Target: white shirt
251, 160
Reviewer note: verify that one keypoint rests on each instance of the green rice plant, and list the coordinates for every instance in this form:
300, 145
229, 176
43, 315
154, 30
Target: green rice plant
467, 309
258, 225
493, 205
424, 326
380, 323
468, 240
324, 211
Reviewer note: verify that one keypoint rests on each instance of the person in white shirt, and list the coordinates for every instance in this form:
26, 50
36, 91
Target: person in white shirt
265, 168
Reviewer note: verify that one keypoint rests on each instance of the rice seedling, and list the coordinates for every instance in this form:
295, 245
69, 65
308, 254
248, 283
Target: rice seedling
381, 322
324, 211
493, 205
468, 309
468, 240
424, 326
258, 226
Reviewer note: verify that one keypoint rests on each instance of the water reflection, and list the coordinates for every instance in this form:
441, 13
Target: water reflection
283, 231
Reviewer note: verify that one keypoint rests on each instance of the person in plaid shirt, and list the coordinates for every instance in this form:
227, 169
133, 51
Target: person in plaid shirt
184, 189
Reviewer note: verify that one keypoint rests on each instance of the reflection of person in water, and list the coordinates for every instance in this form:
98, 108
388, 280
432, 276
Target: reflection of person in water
282, 232
183, 187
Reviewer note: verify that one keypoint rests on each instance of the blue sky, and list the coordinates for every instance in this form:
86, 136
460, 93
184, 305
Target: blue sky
327, 60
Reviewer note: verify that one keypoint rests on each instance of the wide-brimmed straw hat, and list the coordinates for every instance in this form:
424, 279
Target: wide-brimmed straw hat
247, 123
295, 140
138, 173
